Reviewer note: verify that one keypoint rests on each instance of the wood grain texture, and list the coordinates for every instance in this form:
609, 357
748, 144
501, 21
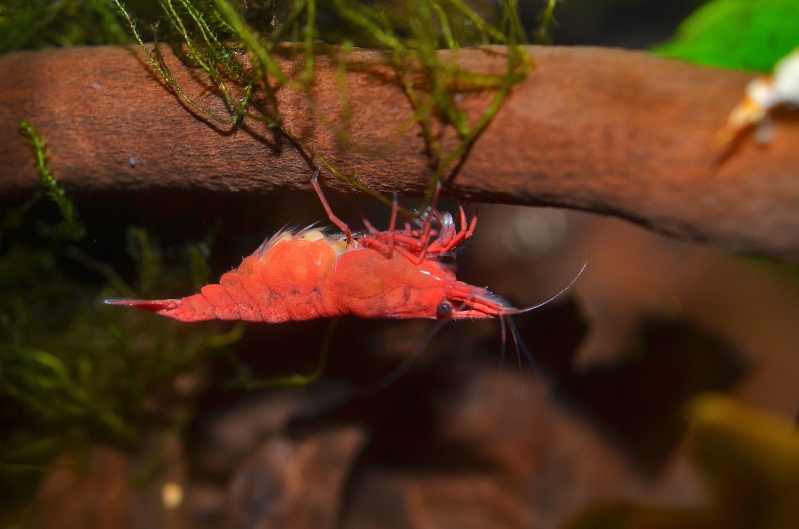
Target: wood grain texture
604, 130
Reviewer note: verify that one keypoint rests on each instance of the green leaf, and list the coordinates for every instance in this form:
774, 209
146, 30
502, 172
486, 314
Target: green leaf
745, 34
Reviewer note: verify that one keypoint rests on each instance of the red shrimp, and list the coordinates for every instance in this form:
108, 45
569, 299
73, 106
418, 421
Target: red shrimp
398, 273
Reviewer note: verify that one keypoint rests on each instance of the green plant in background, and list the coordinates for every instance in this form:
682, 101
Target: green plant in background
546, 23
58, 23
70, 227
71, 373
746, 34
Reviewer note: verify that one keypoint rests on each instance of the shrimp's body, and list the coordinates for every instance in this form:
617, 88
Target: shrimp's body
306, 275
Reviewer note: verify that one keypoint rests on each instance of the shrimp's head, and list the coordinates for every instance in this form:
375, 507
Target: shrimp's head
464, 301
371, 285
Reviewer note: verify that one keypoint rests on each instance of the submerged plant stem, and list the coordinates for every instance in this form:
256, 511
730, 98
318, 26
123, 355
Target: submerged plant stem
56, 193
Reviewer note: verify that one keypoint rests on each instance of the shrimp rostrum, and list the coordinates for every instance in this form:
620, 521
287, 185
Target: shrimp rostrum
397, 273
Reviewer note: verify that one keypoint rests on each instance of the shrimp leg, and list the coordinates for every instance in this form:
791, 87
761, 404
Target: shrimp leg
332, 216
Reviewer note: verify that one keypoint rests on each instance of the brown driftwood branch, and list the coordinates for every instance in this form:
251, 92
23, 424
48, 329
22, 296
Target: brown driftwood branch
604, 130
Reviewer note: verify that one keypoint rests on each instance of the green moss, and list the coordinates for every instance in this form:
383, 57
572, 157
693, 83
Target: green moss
546, 24
208, 36
58, 23
72, 368
431, 26
71, 228
73, 372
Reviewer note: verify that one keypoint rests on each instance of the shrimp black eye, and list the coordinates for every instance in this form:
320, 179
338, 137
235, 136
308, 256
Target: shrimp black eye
444, 309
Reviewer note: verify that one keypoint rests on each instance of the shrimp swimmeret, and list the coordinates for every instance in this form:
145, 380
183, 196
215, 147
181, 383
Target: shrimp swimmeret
309, 274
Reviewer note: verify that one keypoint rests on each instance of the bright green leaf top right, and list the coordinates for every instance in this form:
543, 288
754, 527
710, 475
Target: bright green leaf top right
745, 34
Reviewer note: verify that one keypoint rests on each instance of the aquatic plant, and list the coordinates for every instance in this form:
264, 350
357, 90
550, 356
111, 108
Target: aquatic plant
210, 38
58, 23
71, 373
